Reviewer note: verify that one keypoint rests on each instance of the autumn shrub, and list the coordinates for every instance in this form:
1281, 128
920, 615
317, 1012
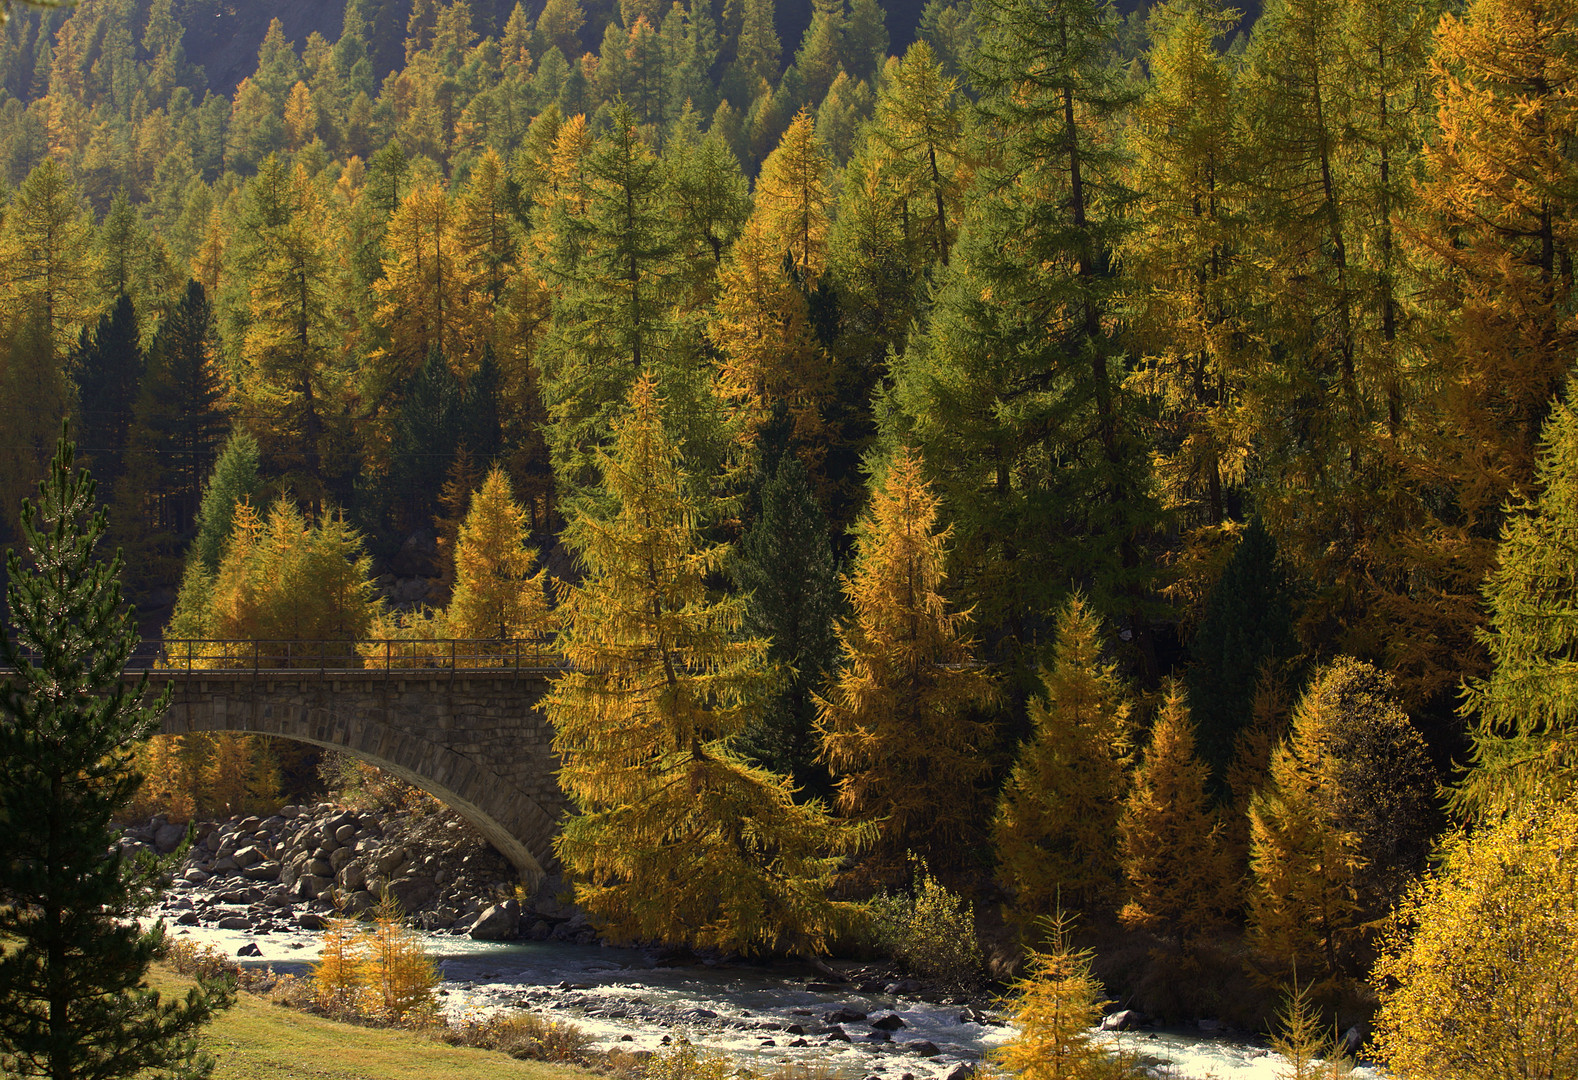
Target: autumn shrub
684, 1061
335, 977
929, 929
523, 1035
1478, 974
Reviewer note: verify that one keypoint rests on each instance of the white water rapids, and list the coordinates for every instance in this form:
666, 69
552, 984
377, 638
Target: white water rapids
619, 998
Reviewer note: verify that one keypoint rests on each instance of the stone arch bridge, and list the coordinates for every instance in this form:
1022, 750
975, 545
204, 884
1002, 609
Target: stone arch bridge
458, 719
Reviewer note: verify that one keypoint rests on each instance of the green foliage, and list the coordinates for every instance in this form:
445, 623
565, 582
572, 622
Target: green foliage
1248, 622
1525, 714
234, 480
107, 367
73, 994
930, 930
1478, 977
784, 562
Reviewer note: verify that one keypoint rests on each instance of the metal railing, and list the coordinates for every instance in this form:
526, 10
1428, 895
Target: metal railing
392, 656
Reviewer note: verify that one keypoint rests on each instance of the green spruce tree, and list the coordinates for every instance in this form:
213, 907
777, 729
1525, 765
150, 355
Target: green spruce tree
74, 1000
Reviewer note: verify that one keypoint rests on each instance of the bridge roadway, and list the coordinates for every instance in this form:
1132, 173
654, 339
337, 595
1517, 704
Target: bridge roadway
469, 735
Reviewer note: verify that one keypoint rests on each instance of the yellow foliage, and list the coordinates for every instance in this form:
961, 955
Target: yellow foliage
1310, 1053
383, 974
1179, 879
1059, 811
896, 724
1478, 976
496, 595
1054, 1007
793, 198
396, 974
677, 838
283, 579
334, 977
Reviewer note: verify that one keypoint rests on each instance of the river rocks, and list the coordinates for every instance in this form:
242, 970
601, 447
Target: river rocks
311, 920
234, 922
836, 1034
497, 923
249, 949
890, 1022
414, 893
167, 838
435, 866
922, 1048
248, 856
187, 918
845, 1015
962, 1071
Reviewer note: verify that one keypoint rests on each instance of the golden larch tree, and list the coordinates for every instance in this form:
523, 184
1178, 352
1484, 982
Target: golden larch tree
676, 837
496, 594
1059, 812
794, 197
898, 724
1178, 879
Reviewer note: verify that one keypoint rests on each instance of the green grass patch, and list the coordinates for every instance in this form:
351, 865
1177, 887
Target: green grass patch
257, 1040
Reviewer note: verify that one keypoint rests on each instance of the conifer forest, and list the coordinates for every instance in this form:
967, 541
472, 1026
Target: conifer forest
1118, 462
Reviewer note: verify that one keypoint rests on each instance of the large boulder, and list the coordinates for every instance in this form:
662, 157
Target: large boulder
412, 893
250, 855
311, 886
500, 922
264, 871
167, 838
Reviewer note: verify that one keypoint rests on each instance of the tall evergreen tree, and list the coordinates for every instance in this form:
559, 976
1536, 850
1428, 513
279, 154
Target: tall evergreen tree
899, 722
107, 366
1525, 713
234, 480
785, 564
181, 413
1248, 622
74, 1000
677, 837
1059, 811
1015, 392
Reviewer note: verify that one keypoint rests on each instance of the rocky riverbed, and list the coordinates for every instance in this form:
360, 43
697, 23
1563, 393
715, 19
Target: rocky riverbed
294, 869
260, 887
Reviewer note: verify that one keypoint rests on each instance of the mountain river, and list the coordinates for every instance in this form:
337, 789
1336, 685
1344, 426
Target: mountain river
762, 1016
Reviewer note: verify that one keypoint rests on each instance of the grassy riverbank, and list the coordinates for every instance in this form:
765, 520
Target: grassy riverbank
257, 1040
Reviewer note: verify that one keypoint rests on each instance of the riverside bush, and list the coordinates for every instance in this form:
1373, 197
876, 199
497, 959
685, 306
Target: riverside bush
523, 1035
383, 975
683, 1061
930, 930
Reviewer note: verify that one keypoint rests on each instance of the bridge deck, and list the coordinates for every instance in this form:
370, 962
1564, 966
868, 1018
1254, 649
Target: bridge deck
354, 659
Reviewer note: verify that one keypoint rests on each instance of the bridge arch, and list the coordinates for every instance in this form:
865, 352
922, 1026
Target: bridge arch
476, 742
